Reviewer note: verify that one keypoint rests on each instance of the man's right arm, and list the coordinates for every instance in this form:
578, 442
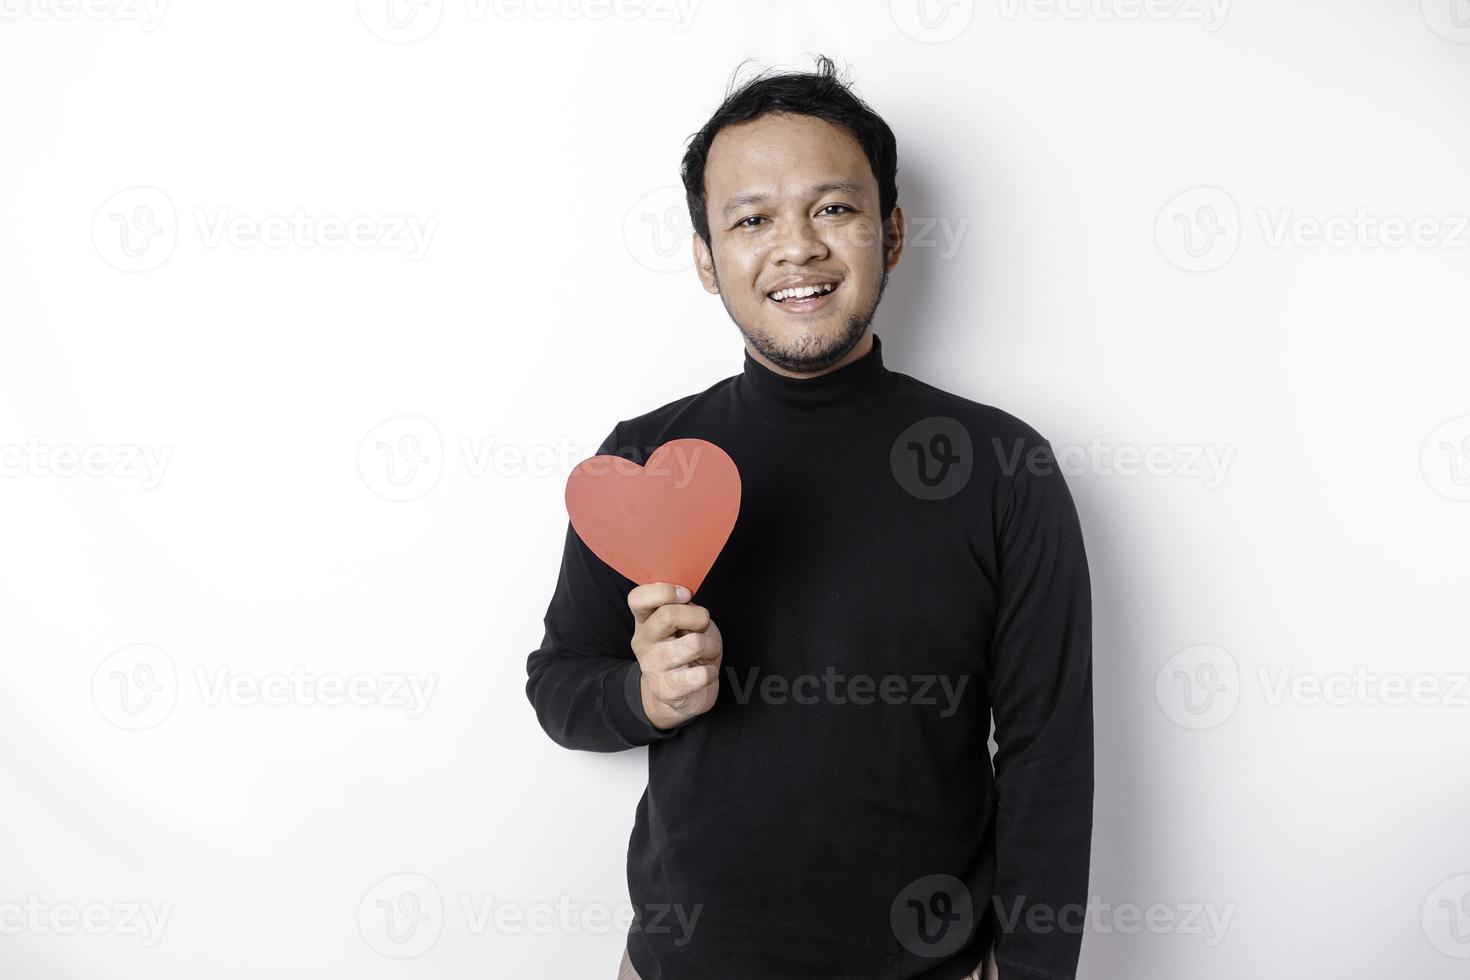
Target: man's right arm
584, 680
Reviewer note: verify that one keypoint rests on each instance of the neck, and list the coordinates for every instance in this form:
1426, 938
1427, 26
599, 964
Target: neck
857, 383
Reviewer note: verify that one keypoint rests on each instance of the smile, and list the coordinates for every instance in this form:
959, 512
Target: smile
804, 299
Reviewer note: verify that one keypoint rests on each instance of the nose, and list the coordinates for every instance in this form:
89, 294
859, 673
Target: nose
799, 242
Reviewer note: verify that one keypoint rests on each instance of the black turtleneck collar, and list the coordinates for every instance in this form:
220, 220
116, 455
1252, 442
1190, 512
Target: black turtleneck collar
851, 389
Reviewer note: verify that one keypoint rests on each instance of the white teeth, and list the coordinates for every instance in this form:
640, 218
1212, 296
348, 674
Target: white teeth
801, 292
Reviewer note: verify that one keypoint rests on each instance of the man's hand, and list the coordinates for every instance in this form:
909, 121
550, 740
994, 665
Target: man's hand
679, 649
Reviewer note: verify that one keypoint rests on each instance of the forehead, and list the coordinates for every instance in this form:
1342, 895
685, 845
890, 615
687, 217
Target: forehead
782, 153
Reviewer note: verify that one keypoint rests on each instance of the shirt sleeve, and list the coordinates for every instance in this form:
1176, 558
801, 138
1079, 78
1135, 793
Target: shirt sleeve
583, 680
1040, 688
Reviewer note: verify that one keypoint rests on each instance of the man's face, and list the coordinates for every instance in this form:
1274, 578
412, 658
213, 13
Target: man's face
792, 199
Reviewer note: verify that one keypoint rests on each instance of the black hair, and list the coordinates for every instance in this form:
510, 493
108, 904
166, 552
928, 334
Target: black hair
822, 93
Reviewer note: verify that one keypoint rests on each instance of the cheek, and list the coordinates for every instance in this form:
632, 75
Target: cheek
858, 239
739, 268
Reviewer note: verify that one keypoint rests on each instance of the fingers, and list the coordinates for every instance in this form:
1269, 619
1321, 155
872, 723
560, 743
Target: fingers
645, 599
658, 622
683, 651
688, 680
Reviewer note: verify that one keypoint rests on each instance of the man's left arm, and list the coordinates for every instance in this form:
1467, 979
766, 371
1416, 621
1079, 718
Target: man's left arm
1039, 684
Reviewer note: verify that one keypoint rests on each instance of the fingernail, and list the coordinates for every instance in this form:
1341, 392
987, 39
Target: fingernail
682, 593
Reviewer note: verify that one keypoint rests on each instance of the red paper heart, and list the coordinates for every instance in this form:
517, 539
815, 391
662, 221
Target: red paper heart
662, 522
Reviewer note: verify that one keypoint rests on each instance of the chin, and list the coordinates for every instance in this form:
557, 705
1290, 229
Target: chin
810, 346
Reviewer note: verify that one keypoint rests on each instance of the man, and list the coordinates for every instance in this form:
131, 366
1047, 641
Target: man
820, 799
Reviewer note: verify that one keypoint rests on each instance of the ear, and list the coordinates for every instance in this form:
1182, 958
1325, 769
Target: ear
704, 264
894, 237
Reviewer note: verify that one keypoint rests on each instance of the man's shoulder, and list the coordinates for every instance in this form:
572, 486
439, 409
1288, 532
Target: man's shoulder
984, 421
639, 435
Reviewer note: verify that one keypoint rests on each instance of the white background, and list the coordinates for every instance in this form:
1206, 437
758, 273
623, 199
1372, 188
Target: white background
358, 451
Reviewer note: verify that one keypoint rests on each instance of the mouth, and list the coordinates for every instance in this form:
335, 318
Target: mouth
804, 299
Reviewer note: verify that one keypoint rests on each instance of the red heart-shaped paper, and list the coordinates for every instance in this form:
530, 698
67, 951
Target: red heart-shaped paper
662, 522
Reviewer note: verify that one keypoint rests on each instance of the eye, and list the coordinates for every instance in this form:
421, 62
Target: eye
742, 222
829, 206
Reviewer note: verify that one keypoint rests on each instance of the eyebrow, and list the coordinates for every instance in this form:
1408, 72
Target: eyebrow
817, 190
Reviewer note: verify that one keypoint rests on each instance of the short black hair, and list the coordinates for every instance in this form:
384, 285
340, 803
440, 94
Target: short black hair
822, 93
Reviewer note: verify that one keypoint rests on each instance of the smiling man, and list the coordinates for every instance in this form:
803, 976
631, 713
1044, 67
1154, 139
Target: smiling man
907, 566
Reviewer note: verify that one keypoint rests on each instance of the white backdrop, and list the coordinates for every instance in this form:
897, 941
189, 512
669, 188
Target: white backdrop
308, 309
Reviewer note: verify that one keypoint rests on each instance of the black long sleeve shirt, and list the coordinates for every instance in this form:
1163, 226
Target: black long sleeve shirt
905, 563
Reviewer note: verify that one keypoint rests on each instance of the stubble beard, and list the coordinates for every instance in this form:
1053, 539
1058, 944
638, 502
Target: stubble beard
809, 352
